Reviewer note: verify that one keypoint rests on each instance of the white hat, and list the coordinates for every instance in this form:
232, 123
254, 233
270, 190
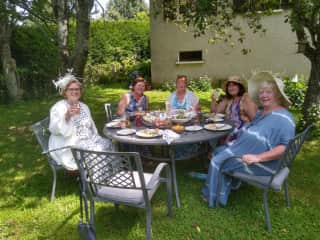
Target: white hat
63, 81
254, 85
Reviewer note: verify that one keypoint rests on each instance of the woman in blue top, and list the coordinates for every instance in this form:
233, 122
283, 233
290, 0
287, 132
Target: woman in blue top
182, 98
262, 141
135, 100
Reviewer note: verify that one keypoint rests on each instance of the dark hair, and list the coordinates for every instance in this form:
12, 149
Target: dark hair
137, 80
242, 89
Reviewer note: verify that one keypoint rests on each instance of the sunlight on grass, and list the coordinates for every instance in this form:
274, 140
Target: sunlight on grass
26, 180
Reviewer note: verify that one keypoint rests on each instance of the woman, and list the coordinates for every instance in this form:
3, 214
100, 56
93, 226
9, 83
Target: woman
134, 100
182, 98
262, 141
71, 124
237, 104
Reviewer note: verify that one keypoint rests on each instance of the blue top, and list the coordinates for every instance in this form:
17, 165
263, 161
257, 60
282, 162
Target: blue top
189, 100
262, 134
134, 104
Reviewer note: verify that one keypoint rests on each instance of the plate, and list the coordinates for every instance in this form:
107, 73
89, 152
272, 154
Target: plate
113, 124
180, 120
220, 115
216, 119
126, 131
148, 133
193, 128
217, 126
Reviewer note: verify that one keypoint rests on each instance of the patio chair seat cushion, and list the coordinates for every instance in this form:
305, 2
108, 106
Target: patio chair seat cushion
125, 195
263, 181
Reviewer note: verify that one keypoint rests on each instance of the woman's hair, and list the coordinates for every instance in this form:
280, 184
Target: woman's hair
63, 93
137, 80
182, 78
242, 89
273, 86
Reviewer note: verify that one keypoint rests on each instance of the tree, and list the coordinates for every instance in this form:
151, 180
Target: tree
217, 17
8, 18
63, 11
125, 9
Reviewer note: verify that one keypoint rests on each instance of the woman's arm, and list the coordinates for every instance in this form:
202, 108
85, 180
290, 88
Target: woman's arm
218, 107
123, 105
272, 154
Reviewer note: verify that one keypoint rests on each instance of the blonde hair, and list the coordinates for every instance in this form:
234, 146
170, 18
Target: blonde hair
63, 92
273, 86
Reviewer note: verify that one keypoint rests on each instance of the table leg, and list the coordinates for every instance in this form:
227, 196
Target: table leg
174, 177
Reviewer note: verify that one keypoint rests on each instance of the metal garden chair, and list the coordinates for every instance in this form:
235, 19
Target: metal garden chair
277, 178
118, 177
108, 109
40, 130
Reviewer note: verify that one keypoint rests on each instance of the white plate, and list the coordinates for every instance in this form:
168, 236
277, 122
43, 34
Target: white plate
193, 128
217, 126
180, 120
220, 115
126, 131
114, 124
148, 133
216, 119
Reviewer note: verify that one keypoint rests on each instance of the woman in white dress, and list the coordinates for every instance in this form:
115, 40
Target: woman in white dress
71, 124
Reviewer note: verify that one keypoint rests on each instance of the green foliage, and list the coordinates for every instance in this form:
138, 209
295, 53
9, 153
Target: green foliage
117, 49
202, 83
125, 9
36, 59
295, 89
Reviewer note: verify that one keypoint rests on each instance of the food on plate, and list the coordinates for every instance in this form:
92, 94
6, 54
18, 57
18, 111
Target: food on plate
178, 128
149, 132
180, 116
113, 125
211, 126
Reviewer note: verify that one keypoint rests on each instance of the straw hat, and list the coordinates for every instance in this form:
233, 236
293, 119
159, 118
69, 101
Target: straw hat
235, 79
257, 79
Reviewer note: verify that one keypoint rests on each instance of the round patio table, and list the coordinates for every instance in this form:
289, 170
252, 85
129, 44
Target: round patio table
187, 137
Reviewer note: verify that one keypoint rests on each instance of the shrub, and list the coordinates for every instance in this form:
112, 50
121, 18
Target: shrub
202, 83
195, 84
117, 49
295, 89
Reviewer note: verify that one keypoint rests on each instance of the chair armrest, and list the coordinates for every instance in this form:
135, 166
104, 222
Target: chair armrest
56, 149
156, 174
259, 165
269, 170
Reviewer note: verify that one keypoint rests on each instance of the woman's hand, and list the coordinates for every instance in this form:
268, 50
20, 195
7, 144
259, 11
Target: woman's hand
251, 158
73, 110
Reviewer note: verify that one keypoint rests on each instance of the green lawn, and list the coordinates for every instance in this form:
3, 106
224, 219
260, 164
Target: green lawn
27, 213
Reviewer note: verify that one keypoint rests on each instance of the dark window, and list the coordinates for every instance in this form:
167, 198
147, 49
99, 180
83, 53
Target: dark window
190, 56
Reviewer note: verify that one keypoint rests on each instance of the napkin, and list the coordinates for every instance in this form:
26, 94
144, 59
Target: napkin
169, 136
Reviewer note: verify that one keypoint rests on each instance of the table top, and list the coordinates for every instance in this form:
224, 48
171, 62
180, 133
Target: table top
185, 137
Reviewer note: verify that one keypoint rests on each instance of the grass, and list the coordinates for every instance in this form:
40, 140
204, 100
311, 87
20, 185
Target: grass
27, 213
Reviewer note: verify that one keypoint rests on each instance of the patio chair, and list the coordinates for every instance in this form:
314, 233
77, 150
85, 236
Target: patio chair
276, 180
107, 108
118, 177
40, 130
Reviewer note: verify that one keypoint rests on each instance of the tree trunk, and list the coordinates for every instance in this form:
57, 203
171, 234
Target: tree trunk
8, 63
311, 103
80, 52
60, 8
